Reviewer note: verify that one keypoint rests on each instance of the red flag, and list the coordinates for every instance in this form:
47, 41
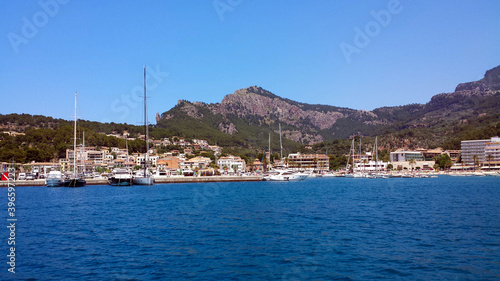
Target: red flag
5, 176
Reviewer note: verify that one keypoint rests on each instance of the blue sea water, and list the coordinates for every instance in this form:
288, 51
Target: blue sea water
445, 228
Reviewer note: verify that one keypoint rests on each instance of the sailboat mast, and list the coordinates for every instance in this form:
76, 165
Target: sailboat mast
83, 153
281, 145
146, 125
269, 163
376, 155
360, 152
74, 144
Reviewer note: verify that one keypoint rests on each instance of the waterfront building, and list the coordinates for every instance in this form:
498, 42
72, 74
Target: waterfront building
140, 160
417, 165
232, 161
370, 166
317, 162
492, 155
403, 156
476, 150
169, 163
454, 154
257, 165
196, 162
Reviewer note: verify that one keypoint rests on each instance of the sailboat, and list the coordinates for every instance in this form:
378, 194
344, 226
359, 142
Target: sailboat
74, 180
283, 174
145, 178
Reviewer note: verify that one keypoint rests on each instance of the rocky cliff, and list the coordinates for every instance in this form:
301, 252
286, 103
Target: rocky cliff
254, 110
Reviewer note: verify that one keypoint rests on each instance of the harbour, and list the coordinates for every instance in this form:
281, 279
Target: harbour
104, 181
441, 228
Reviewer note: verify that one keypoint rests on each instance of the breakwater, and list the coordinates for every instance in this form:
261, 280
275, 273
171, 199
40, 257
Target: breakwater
103, 181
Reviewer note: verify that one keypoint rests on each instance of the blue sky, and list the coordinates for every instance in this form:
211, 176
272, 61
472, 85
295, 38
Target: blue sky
357, 54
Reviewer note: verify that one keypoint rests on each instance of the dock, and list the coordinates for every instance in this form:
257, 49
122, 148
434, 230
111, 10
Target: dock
158, 180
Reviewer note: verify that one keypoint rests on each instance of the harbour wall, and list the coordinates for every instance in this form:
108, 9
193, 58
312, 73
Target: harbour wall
158, 180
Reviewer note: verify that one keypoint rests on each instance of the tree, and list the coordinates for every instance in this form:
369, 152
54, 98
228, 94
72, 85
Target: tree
443, 161
489, 157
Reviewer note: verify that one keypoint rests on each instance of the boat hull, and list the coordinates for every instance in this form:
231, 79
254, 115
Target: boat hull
120, 182
54, 183
74, 182
143, 181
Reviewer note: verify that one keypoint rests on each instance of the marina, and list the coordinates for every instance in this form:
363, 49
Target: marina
317, 229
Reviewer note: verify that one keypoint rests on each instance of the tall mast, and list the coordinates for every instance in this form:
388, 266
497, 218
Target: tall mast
126, 147
281, 144
353, 151
360, 152
269, 163
376, 155
74, 144
146, 157
83, 153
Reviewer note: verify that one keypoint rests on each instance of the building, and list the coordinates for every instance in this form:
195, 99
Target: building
232, 161
168, 163
475, 150
418, 165
454, 154
492, 155
196, 162
403, 156
370, 166
317, 162
140, 160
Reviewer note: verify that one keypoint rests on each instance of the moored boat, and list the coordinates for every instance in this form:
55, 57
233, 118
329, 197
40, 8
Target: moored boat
285, 175
74, 180
54, 179
145, 178
120, 177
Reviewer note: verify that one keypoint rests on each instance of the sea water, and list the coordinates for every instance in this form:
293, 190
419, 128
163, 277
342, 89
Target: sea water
445, 228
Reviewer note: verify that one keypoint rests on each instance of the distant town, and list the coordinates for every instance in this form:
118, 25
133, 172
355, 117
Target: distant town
200, 158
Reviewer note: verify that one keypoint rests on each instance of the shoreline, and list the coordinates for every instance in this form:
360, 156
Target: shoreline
158, 180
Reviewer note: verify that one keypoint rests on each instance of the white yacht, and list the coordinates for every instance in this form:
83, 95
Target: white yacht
54, 179
286, 175
120, 177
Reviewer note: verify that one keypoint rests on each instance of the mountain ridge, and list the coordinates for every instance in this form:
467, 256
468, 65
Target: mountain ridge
315, 123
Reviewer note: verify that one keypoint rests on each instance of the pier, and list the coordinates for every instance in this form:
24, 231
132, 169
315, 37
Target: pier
158, 180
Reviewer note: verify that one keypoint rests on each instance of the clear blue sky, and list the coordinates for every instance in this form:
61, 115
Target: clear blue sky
204, 50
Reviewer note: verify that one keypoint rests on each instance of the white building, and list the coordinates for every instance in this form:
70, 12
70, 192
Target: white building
480, 149
153, 160
371, 166
232, 161
402, 156
196, 162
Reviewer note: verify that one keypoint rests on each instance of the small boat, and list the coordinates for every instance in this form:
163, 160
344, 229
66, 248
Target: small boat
54, 179
120, 177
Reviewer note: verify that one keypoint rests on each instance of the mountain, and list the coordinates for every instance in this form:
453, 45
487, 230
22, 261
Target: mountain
245, 117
